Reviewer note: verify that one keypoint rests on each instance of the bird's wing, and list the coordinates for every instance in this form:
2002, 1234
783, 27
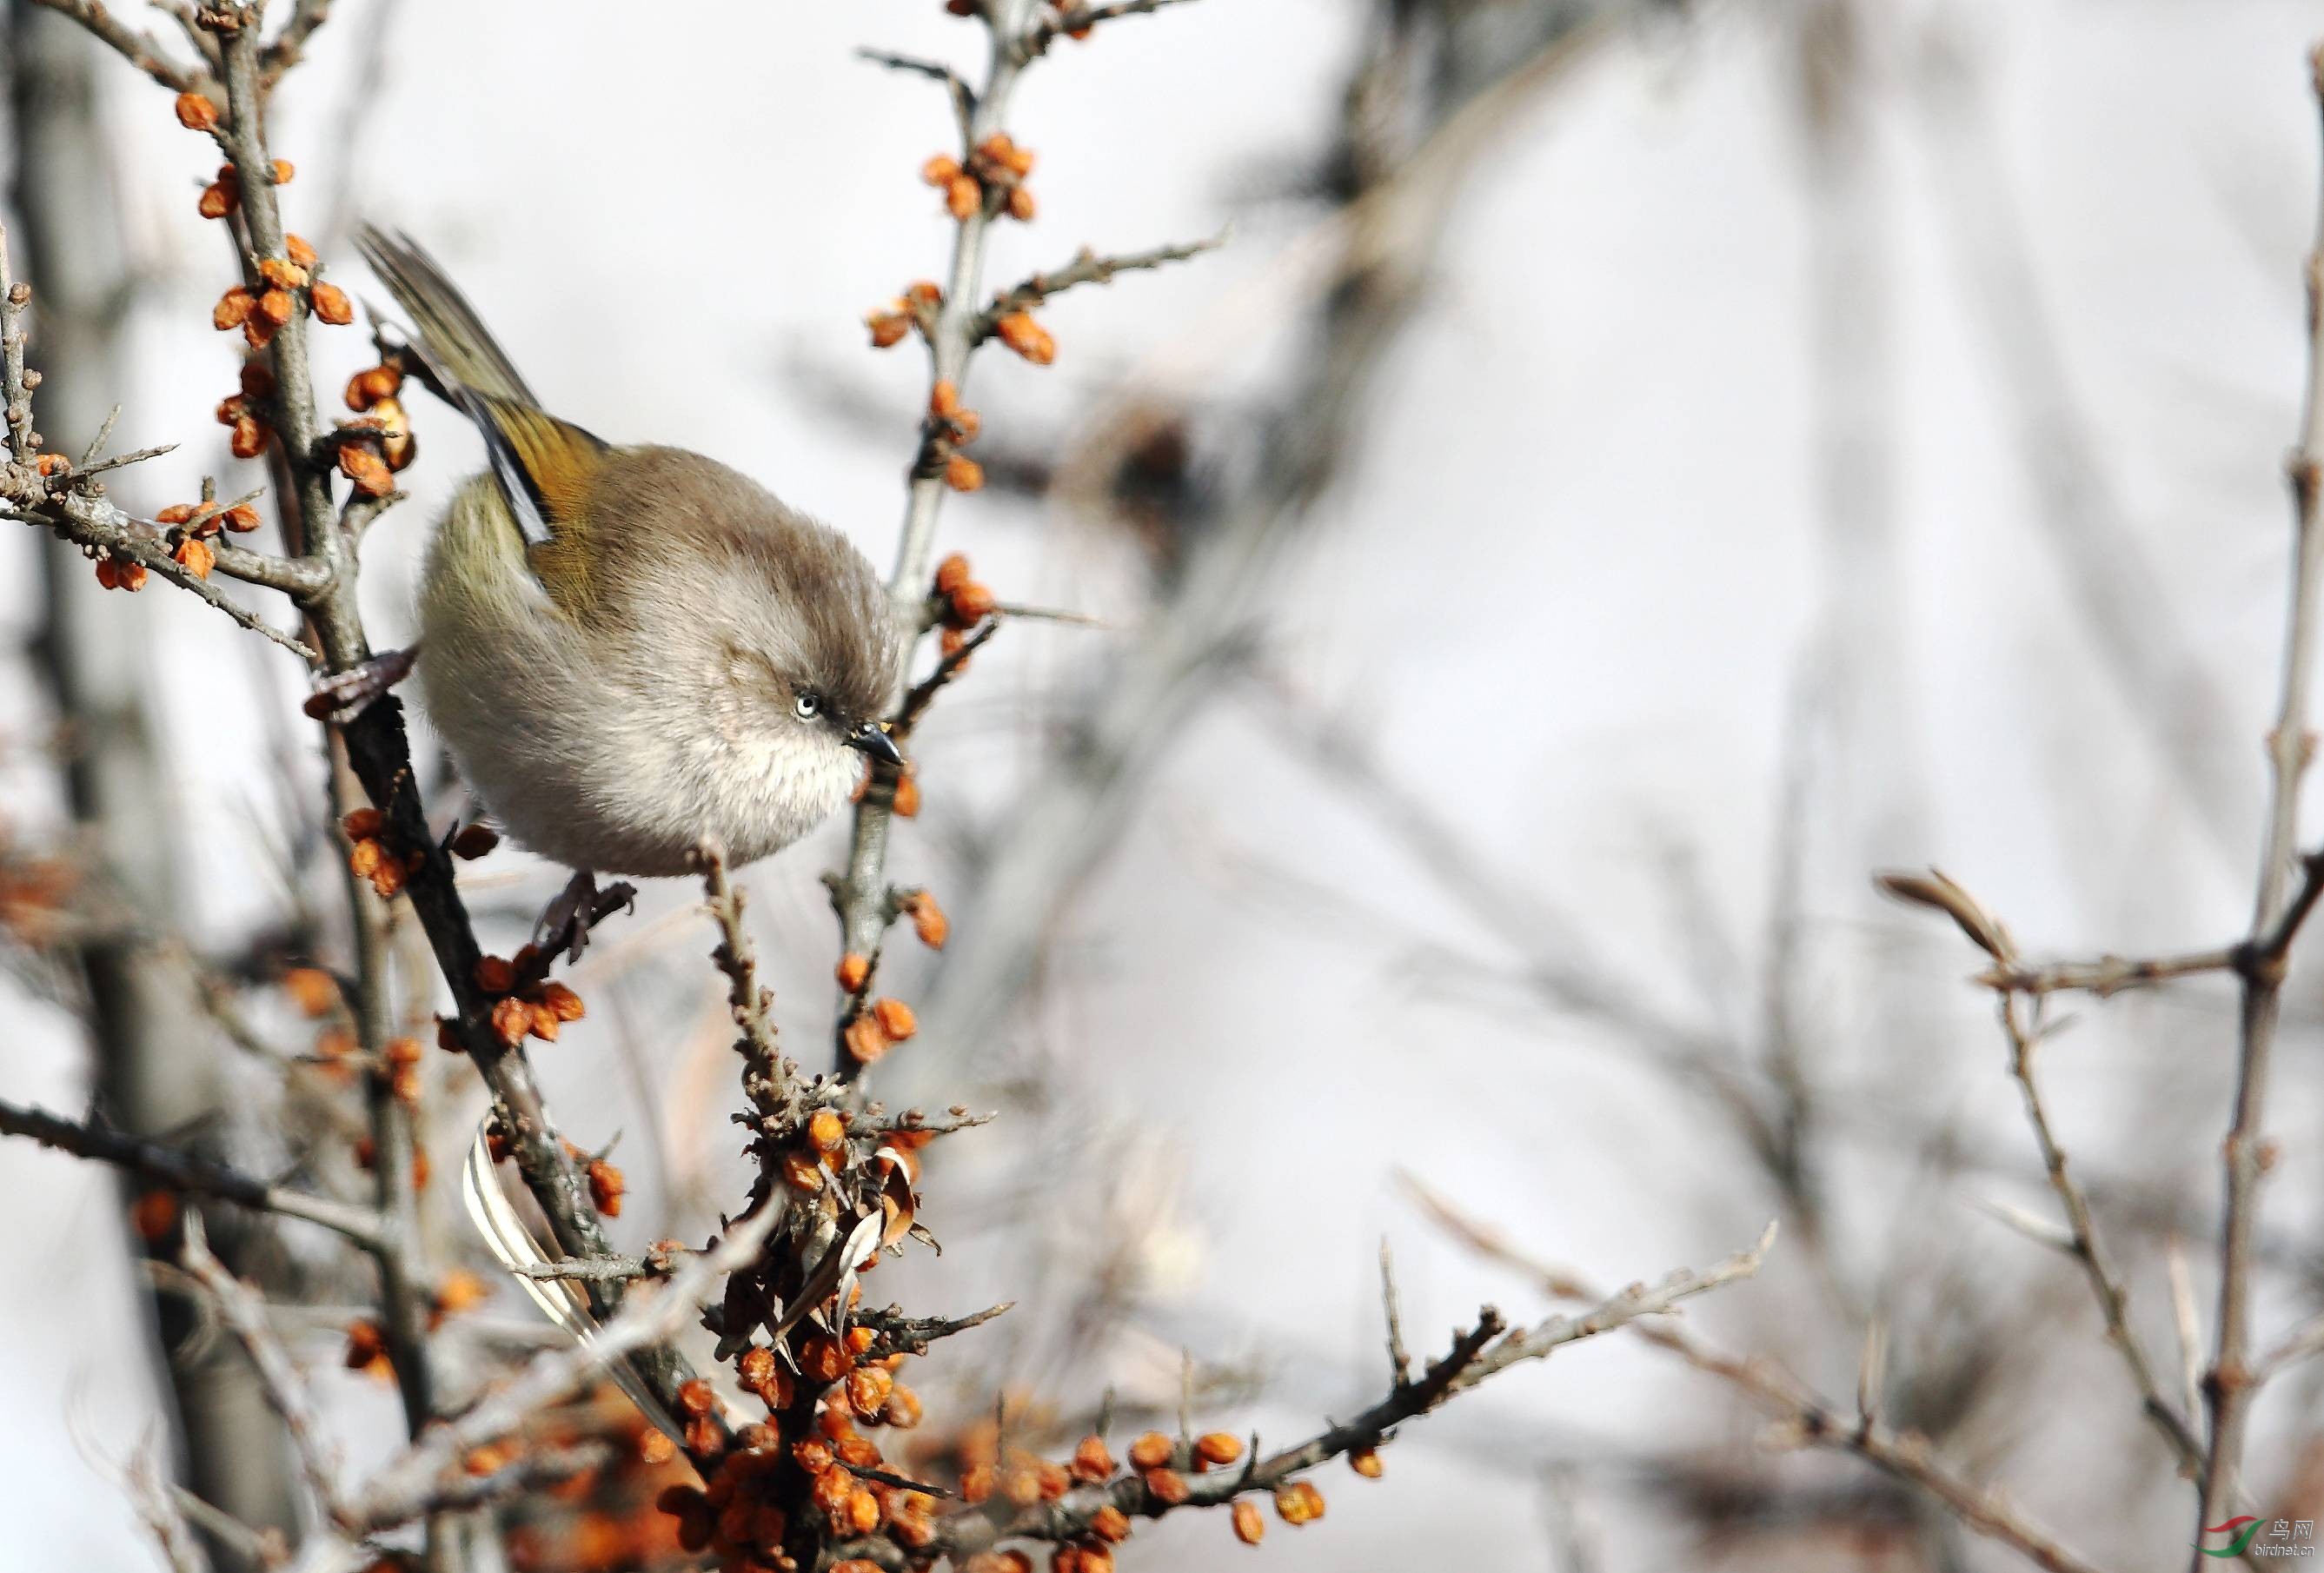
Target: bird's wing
545, 466
510, 1241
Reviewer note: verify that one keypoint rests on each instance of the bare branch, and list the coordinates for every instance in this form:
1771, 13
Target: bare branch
963, 97
1086, 267
138, 49
2230, 1384
246, 1314
182, 1172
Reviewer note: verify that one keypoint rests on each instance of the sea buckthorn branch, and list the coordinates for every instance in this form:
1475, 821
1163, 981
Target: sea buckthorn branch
1075, 20
1215, 1469
139, 48
280, 404
1086, 267
982, 183
416, 1481
244, 1313
188, 1174
2231, 1385
1802, 1418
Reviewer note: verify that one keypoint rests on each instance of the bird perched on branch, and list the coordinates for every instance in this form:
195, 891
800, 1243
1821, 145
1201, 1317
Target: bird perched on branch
631, 650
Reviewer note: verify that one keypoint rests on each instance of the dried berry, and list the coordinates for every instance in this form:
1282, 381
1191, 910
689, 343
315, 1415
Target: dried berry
241, 518
248, 442
331, 305
233, 307
511, 1019
120, 574
801, 1172
562, 1001
605, 1187
367, 469
1021, 207
1151, 1452
369, 386
1249, 1525
826, 1130
492, 974
282, 273
474, 840
1167, 1486
195, 556
1299, 1503
195, 113
277, 305
300, 251
889, 327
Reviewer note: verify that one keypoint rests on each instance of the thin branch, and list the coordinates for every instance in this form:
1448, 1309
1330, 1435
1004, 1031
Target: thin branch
139, 48
183, 1172
2114, 1302
1399, 1356
415, 1481
963, 97
1066, 21
924, 693
1803, 1417
2230, 1384
246, 1314
1086, 267
895, 1333
595, 1269
290, 46
165, 1519
1481, 1352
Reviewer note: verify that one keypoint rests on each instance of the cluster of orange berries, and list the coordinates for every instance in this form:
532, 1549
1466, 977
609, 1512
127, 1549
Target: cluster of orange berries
740, 1513
915, 307
537, 1009
191, 526
375, 446
962, 602
951, 423
368, 857
875, 1031
995, 167
245, 413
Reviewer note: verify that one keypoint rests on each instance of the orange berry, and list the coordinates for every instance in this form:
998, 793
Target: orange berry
1092, 1463
1167, 1486
1365, 1462
511, 1019
195, 556
276, 305
1109, 1523
258, 332
929, 920
903, 1410
218, 199
460, 1291
863, 1511
952, 574
908, 797
282, 273
801, 1172
313, 990
896, 1018
866, 1039
826, 1130
605, 1187
1027, 338
868, 1387
940, 170
563, 1002
121, 574
195, 113
282, 170
1213, 1448
248, 442
853, 972
241, 518
963, 198
367, 469
888, 327
963, 473
492, 974
943, 399
1021, 207
823, 1360
1151, 1452
300, 251
232, 308
1299, 1503
153, 1215
331, 304
1249, 1525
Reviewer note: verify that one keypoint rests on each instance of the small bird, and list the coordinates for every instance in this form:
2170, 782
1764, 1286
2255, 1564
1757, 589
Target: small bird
630, 651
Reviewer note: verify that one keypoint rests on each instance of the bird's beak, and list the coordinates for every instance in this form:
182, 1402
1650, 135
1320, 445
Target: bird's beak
872, 739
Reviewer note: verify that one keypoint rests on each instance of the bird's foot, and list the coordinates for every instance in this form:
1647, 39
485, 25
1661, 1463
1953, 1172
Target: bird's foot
342, 695
565, 922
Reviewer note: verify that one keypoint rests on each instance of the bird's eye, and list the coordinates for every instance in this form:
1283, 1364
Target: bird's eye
806, 706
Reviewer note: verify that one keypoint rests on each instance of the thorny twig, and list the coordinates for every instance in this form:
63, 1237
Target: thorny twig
183, 1172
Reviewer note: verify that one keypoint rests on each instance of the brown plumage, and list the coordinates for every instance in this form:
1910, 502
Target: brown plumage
632, 649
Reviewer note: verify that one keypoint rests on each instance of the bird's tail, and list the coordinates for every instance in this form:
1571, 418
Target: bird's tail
514, 1244
453, 339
